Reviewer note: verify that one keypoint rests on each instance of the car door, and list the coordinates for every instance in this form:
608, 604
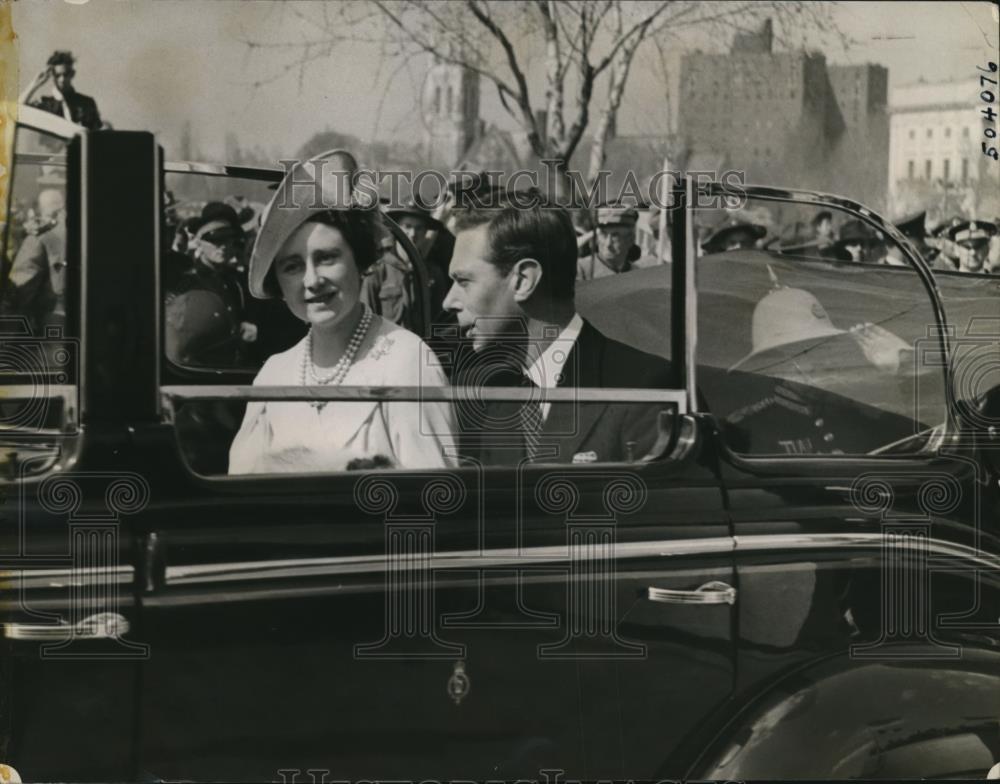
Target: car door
71, 661
865, 550
476, 622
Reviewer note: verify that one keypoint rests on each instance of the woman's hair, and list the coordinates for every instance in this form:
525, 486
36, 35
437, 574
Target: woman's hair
357, 225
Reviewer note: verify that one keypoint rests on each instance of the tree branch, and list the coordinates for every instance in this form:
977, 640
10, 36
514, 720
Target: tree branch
521, 97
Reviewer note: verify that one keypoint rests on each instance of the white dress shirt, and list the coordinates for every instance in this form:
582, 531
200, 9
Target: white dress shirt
546, 372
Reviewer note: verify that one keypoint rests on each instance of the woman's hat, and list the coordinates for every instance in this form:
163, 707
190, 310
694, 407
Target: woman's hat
312, 187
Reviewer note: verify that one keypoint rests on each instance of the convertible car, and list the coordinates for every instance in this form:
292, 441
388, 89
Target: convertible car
799, 580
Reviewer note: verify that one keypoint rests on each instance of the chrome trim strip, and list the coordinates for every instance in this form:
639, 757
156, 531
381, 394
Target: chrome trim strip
262, 173
691, 298
421, 394
34, 579
200, 574
511, 558
936, 547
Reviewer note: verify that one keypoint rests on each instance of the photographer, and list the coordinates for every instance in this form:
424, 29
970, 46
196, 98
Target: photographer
64, 101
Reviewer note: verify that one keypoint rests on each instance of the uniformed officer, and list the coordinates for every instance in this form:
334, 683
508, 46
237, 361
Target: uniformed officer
972, 240
809, 387
734, 235
614, 236
205, 304
948, 252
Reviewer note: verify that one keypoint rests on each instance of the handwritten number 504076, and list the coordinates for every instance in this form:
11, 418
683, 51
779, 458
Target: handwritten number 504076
989, 97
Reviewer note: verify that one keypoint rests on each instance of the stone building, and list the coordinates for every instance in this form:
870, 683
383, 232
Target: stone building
450, 113
936, 159
787, 118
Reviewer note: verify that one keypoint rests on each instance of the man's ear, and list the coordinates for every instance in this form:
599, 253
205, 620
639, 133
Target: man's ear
526, 277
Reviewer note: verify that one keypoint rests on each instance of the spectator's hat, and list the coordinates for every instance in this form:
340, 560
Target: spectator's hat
786, 321
914, 226
617, 215
413, 209
217, 221
855, 232
739, 231
942, 229
971, 234
311, 187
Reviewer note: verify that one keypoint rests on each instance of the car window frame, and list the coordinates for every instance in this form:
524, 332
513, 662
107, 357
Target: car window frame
778, 463
69, 440
680, 399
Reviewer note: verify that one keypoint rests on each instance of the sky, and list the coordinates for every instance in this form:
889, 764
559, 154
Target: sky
153, 64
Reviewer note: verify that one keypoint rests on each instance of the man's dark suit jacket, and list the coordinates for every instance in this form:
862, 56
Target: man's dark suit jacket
577, 432
82, 108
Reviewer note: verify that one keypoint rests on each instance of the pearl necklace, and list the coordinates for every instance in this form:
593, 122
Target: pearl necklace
339, 372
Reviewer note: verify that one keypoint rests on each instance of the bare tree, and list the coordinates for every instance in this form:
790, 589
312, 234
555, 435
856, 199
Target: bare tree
582, 41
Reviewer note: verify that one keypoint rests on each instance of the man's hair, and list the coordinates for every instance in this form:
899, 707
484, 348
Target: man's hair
62, 57
523, 225
822, 216
358, 226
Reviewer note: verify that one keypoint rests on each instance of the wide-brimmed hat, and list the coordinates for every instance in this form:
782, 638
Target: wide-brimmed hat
311, 187
784, 321
717, 242
413, 209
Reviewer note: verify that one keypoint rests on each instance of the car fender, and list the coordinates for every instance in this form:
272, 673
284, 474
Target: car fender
892, 718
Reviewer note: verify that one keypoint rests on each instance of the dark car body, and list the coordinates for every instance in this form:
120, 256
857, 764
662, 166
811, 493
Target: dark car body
697, 614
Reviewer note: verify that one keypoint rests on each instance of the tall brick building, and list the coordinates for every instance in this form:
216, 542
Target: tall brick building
786, 118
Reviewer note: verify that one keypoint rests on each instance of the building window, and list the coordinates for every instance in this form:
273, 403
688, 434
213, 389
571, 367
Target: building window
965, 132
930, 133
947, 169
448, 102
910, 169
965, 169
947, 133
437, 100
913, 134
927, 170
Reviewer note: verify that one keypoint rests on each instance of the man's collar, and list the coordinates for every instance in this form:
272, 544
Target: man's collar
626, 265
546, 371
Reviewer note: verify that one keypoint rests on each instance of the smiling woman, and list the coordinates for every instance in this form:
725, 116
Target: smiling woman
317, 270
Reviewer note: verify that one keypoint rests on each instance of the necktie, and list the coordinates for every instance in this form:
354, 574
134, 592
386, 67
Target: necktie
531, 421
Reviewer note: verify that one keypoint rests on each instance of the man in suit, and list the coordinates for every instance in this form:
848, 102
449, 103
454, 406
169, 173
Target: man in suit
514, 276
64, 101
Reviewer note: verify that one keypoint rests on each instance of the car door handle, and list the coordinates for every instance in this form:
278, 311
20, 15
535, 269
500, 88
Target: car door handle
102, 626
715, 592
